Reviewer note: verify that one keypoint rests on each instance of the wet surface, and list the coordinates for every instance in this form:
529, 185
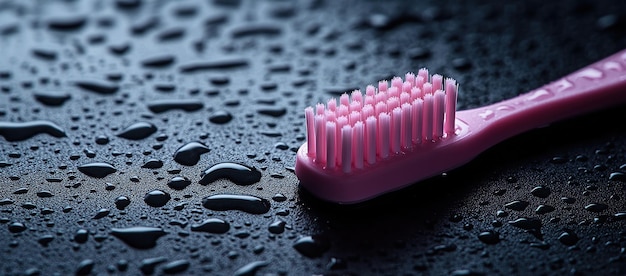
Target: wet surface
150, 137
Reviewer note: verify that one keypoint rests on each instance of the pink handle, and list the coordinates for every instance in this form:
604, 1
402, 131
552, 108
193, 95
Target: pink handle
597, 86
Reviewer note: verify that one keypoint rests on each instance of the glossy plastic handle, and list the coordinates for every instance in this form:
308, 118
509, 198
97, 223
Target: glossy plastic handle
594, 87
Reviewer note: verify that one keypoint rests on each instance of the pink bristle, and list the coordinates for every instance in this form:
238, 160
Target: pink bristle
424, 74
346, 148
330, 116
419, 82
406, 132
320, 109
370, 90
344, 99
380, 108
356, 96
410, 77
343, 110
384, 128
427, 88
427, 118
355, 107
451, 92
416, 93
358, 144
367, 111
370, 147
310, 131
405, 98
341, 122
397, 83
416, 121
354, 117
381, 97
392, 103
438, 113
320, 134
406, 87
331, 105
396, 129
437, 81
381, 122
382, 86
330, 145
393, 92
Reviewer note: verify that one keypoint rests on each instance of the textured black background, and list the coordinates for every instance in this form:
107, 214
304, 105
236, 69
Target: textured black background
297, 53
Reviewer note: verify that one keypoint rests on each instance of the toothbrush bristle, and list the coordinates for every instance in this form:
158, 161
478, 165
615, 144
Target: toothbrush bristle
385, 121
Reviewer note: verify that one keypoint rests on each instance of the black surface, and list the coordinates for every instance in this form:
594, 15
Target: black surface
96, 67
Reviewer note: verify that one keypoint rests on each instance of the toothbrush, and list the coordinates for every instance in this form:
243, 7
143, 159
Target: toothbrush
396, 135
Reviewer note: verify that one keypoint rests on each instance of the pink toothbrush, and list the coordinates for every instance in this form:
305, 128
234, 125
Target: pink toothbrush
391, 137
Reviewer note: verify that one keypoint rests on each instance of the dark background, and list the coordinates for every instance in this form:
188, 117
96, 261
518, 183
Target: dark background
288, 55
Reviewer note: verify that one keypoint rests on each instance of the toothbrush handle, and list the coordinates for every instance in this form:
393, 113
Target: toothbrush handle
594, 87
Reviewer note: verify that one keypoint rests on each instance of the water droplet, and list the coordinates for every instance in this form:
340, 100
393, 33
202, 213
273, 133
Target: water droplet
102, 140
596, 207
97, 170
153, 164
197, 66
211, 225
617, 176
237, 173
102, 213
312, 246
22, 131
461, 64
279, 197
148, 265
220, 117
189, 154
156, 198
250, 269
68, 22
45, 240
541, 245
98, 87
489, 237
544, 209
81, 236
179, 182
171, 34
619, 216
177, 266
277, 227
52, 98
273, 112
140, 237
516, 205
44, 194
122, 202
158, 61
568, 200
128, 4
256, 29
189, 105
540, 191
17, 227
246, 203
6, 201
138, 131
85, 267
568, 238
558, 160
526, 223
